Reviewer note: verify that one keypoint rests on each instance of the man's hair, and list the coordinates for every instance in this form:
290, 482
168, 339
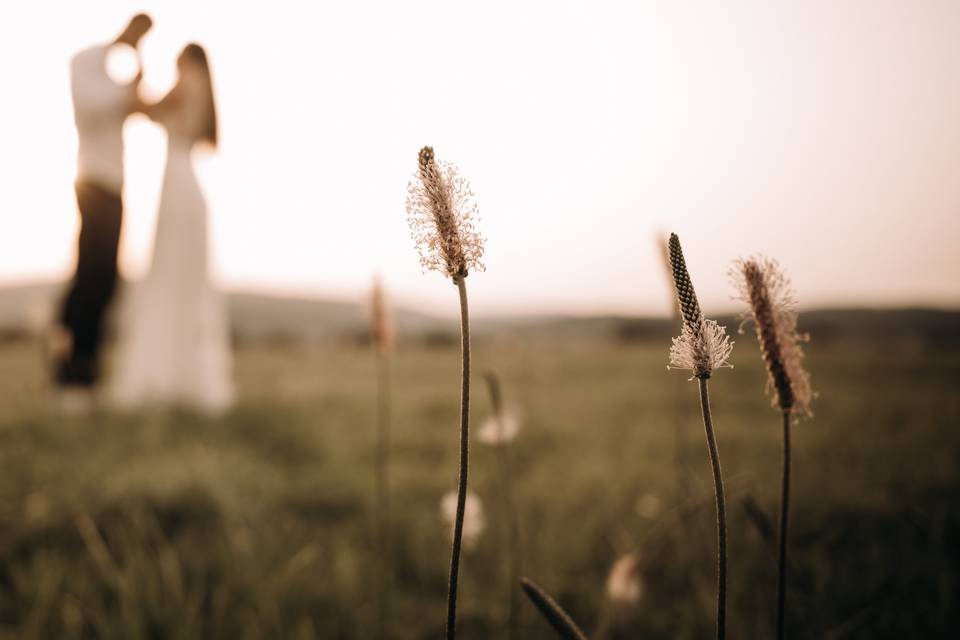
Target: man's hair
135, 29
143, 20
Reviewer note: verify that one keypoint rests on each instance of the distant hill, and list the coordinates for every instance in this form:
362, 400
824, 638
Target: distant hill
928, 325
263, 317
258, 317
24, 309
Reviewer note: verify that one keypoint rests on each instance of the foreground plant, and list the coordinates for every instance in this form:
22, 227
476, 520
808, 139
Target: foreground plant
383, 338
552, 612
499, 431
765, 288
440, 212
702, 347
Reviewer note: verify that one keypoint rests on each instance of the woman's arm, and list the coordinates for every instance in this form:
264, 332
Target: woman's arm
169, 103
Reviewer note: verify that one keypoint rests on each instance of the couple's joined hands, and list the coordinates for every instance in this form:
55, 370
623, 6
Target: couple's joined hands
136, 104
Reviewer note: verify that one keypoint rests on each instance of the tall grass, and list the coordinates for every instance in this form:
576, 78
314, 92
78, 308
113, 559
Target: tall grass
263, 511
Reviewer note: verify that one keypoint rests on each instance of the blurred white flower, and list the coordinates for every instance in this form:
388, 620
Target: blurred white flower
500, 429
473, 520
625, 583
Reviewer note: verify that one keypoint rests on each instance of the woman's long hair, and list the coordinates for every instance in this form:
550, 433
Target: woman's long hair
198, 56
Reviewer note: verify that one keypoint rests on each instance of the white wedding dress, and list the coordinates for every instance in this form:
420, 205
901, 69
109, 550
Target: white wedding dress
173, 347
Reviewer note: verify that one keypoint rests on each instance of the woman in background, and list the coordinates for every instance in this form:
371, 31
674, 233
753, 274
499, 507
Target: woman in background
173, 338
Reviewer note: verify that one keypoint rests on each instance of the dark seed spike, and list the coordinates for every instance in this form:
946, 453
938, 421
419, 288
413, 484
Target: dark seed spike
451, 244
425, 158
767, 333
686, 296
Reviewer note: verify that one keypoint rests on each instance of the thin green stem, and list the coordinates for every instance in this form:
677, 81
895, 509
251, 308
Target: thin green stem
382, 508
721, 511
464, 465
784, 526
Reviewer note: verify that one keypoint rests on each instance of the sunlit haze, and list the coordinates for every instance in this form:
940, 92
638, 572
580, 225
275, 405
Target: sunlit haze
825, 134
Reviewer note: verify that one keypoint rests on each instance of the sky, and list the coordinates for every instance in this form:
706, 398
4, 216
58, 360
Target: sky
824, 134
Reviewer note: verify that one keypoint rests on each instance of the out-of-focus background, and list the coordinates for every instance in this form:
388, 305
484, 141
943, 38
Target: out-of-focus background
822, 134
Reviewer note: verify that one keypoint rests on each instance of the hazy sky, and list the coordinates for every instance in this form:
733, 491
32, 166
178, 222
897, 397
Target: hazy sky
825, 134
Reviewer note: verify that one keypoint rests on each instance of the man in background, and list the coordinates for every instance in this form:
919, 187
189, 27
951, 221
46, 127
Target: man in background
101, 107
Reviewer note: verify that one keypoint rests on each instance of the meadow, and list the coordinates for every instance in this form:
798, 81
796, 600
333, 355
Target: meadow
257, 524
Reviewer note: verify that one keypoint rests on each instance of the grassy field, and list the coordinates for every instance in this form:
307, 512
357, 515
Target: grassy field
258, 524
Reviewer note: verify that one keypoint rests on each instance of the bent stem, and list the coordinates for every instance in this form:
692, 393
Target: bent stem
721, 511
784, 521
552, 612
382, 507
464, 452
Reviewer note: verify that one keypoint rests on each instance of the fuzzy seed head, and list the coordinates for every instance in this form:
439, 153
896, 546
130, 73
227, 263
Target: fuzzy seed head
441, 214
474, 521
382, 333
501, 428
766, 289
703, 345
702, 349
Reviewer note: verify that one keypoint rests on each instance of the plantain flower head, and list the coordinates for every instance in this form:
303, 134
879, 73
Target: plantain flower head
500, 428
441, 214
382, 333
473, 520
703, 345
766, 289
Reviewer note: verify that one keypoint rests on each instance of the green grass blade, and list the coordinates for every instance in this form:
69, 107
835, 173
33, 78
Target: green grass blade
553, 612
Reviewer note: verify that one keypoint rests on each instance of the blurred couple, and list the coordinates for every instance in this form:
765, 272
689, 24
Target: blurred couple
172, 337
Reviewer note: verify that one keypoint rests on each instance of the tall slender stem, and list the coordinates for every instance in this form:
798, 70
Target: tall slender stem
784, 522
382, 489
464, 465
721, 511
